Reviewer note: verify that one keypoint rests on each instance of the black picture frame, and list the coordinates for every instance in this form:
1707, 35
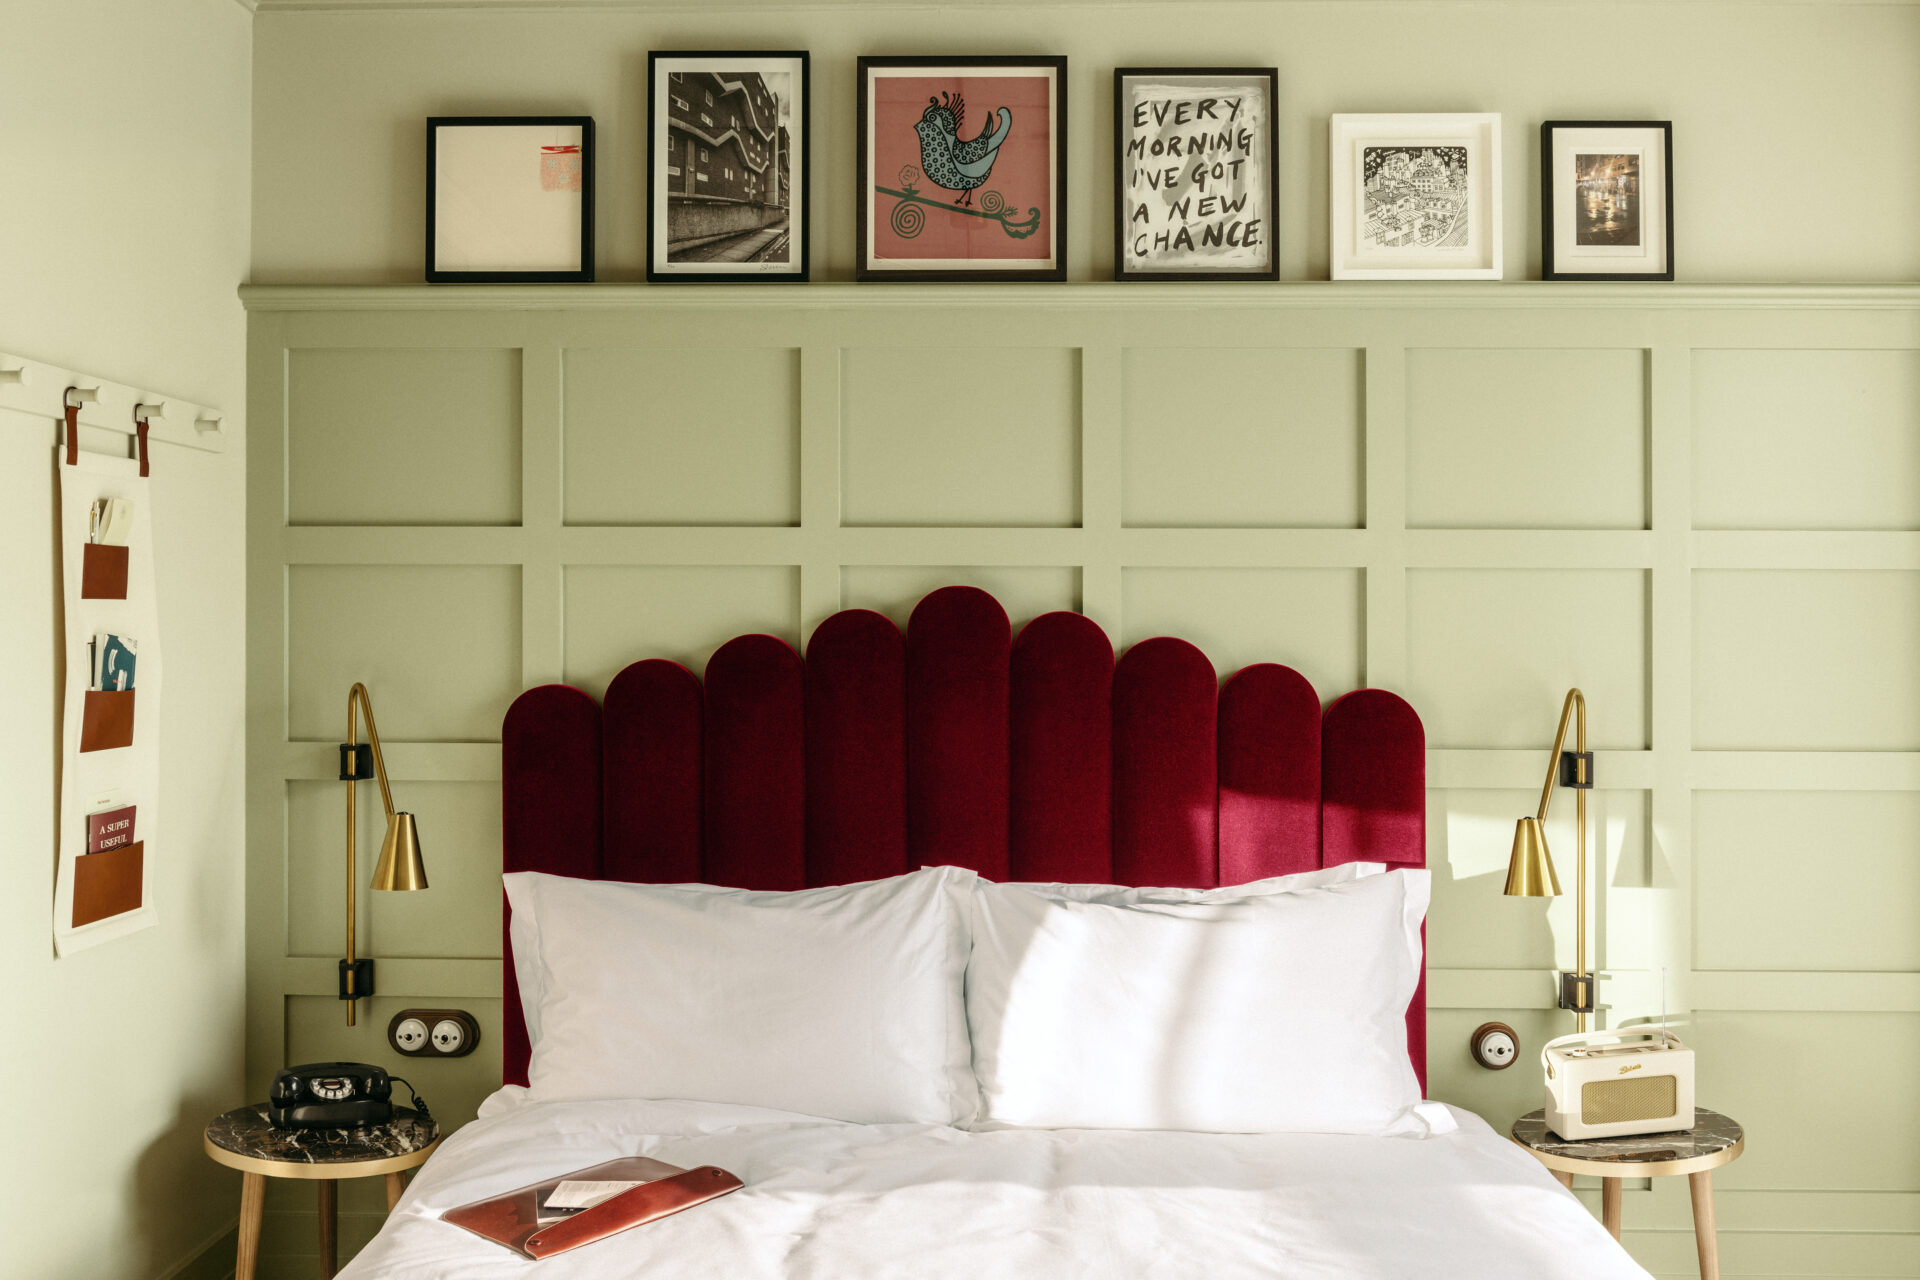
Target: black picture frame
661, 209
580, 273
1123, 241
1553, 192
866, 189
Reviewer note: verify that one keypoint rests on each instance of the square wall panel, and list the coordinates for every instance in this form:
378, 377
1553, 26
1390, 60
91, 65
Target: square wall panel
1806, 660
1530, 438
403, 436
1313, 620
683, 437
438, 647
1806, 439
460, 843
1763, 859
1832, 1093
1248, 438
1473, 925
1494, 651
620, 614
1025, 592
969, 436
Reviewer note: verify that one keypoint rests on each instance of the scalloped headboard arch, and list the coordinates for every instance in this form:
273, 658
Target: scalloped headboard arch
1037, 758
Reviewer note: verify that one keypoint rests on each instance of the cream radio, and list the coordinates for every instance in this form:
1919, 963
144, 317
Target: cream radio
1641, 1081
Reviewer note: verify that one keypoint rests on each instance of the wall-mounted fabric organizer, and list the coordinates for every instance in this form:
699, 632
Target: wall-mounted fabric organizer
110, 837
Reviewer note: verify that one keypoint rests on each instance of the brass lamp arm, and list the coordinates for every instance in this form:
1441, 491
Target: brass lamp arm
1575, 700
359, 694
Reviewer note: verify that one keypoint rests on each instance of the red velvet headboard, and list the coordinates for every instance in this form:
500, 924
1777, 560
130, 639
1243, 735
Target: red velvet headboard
1031, 759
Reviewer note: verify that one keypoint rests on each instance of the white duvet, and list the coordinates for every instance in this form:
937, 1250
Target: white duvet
825, 1199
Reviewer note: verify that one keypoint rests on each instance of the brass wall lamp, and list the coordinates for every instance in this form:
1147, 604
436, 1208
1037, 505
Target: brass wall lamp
399, 868
1530, 869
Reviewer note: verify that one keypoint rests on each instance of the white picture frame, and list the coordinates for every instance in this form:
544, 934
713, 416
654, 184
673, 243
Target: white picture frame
1415, 196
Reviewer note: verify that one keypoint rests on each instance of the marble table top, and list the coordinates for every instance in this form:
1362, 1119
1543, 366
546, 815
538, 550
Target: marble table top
1711, 1134
245, 1132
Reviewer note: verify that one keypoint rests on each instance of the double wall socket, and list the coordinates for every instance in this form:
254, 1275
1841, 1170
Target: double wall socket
433, 1033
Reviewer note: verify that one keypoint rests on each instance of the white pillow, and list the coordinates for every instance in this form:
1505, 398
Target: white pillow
1122, 895
843, 1002
1281, 1012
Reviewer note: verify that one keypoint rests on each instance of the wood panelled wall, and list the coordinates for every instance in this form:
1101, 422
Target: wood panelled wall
1700, 504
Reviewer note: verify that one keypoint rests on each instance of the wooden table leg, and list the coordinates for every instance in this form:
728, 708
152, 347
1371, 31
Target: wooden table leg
1610, 1205
1704, 1239
1565, 1179
329, 1227
253, 1200
396, 1185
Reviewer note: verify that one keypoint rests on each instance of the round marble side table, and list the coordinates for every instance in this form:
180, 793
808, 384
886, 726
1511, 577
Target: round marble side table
242, 1139
1713, 1141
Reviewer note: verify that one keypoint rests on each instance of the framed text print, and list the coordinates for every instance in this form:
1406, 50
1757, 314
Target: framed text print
962, 166
727, 155
1415, 197
1607, 195
1195, 182
509, 198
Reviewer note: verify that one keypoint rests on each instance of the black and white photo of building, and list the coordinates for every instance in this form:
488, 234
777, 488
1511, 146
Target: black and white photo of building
729, 187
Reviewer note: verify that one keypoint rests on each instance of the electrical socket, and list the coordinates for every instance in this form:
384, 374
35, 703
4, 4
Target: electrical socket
433, 1033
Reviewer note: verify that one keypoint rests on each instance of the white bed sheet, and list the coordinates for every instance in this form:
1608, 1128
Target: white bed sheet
825, 1200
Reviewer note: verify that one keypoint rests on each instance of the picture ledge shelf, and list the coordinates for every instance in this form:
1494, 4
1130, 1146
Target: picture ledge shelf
1299, 294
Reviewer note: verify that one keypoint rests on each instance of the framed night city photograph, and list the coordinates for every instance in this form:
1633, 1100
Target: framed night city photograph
1415, 197
1196, 174
1607, 200
961, 169
727, 164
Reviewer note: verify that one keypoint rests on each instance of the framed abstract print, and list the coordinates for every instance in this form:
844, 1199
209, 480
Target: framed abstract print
1607, 200
962, 169
1196, 174
509, 199
1415, 197
727, 166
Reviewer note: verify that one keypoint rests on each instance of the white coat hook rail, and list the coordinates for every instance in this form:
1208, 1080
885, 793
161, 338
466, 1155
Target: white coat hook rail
37, 389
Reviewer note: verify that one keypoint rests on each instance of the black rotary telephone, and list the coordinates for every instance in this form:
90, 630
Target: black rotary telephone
330, 1095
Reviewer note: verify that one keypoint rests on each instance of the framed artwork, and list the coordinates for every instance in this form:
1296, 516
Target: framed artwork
727, 166
1607, 200
1415, 197
962, 169
1196, 174
509, 199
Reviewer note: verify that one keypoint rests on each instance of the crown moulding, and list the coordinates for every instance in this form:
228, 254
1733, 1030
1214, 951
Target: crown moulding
1286, 295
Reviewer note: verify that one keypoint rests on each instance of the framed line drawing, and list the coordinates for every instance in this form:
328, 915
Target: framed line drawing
1606, 190
961, 169
509, 199
1196, 173
1415, 197
727, 166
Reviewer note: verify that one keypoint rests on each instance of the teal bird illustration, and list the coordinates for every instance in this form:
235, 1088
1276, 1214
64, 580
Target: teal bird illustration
945, 159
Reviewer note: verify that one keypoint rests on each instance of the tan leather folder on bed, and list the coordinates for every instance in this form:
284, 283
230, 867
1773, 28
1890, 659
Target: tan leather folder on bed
512, 1219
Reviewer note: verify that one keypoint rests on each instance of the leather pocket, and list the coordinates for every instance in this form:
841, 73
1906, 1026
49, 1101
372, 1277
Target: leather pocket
103, 572
106, 721
107, 884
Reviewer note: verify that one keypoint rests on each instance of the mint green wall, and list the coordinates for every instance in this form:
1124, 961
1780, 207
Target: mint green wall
1754, 708
123, 235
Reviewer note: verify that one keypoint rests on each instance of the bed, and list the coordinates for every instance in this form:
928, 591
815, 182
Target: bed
1028, 760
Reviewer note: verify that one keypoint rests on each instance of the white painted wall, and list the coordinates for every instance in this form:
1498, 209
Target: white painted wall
1796, 126
124, 225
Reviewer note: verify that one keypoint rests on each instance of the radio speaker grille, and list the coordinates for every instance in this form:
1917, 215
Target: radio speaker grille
1642, 1098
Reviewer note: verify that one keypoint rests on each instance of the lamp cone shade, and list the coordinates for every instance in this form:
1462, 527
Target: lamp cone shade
400, 866
1529, 871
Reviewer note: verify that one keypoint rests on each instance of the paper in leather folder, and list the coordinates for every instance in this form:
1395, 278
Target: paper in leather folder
512, 1219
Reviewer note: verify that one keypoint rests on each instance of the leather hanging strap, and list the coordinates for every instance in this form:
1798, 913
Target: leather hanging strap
73, 434
141, 435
